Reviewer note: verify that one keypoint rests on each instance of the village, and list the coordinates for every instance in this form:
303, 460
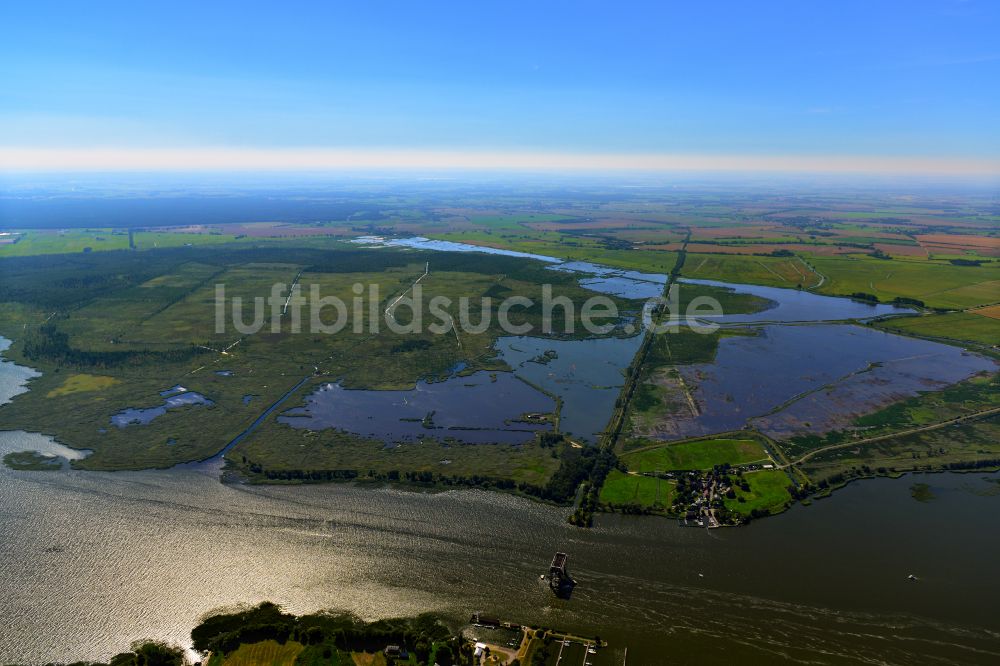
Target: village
700, 494
494, 642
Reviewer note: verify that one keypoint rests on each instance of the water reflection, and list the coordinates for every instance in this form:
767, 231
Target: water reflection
13, 378
479, 408
595, 277
587, 375
799, 305
174, 400
92, 561
421, 243
817, 377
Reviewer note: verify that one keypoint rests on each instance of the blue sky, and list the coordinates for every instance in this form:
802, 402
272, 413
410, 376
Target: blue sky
893, 79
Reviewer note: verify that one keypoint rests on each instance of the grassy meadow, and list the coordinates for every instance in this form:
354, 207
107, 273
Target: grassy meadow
950, 326
44, 241
106, 341
938, 283
622, 489
699, 454
768, 492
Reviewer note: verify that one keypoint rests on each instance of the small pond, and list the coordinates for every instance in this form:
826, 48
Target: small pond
136, 416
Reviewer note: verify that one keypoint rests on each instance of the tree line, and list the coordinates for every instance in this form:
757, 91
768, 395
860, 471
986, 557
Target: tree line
48, 343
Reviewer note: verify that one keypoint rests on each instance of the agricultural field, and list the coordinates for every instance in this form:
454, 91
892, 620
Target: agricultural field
265, 653
937, 283
151, 240
623, 489
38, 241
957, 326
954, 244
837, 246
699, 454
991, 311
788, 272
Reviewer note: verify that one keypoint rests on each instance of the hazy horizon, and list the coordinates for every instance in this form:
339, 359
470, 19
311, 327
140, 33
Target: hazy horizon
895, 87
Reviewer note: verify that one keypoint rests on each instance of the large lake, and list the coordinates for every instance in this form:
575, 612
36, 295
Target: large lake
91, 561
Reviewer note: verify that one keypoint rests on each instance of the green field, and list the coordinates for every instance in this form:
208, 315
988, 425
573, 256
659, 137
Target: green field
149, 240
939, 284
731, 302
958, 326
768, 492
771, 271
625, 489
265, 653
701, 454
82, 383
32, 242
38, 241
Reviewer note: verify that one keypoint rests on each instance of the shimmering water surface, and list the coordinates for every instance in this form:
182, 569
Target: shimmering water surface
91, 561
602, 279
420, 243
799, 305
13, 378
586, 374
